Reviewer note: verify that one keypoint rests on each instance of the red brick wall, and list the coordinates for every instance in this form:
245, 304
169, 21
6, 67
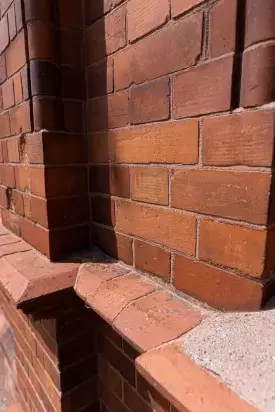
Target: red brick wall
180, 185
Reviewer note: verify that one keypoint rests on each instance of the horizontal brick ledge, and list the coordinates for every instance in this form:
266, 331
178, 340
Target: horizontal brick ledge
185, 384
25, 274
140, 310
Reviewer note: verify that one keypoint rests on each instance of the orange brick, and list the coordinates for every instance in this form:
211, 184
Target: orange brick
198, 92
16, 54
106, 36
18, 91
8, 94
149, 184
144, 16
150, 102
166, 227
145, 60
20, 119
219, 288
175, 142
237, 247
5, 130
181, 6
237, 195
152, 259
37, 181
239, 139
22, 178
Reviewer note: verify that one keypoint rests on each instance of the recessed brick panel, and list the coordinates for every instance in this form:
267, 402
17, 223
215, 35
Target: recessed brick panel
149, 184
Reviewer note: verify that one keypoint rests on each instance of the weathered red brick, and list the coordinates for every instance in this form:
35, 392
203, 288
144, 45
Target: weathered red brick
8, 94
144, 16
149, 184
20, 119
16, 54
245, 138
166, 227
152, 259
181, 6
259, 21
46, 47
150, 102
237, 247
146, 60
204, 89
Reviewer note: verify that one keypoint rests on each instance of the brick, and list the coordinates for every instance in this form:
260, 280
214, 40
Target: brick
145, 60
70, 16
13, 150
42, 10
152, 259
108, 112
106, 36
37, 181
199, 92
181, 6
8, 94
100, 78
9, 176
232, 246
145, 16
150, 102
47, 114
218, 288
95, 10
155, 319
67, 211
22, 178
11, 221
3, 197
36, 236
257, 76
5, 4
175, 142
103, 210
18, 91
134, 402
236, 195
5, 130
110, 377
3, 71
75, 178
113, 296
46, 47
45, 78
166, 227
114, 180
114, 244
258, 22
72, 83
38, 211
12, 22
223, 18
71, 47
239, 139
24, 73
18, 203
73, 116
18, 15
151, 396
149, 184
4, 34
20, 119
16, 54
110, 400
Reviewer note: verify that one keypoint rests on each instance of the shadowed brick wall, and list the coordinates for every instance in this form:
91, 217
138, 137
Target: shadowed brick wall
180, 176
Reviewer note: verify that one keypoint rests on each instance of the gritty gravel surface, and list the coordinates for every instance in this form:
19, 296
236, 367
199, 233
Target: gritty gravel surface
239, 349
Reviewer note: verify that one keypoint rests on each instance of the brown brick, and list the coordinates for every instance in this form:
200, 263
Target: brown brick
220, 289
47, 114
46, 46
5, 130
20, 119
232, 246
145, 16
13, 150
236, 195
67, 211
166, 227
103, 210
175, 142
108, 112
16, 54
150, 102
11, 221
18, 91
70, 16
152, 259
239, 139
75, 178
71, 47
110, 400
3, 71
100, 78
95, 10
110, 377
149, 184
259, 21
106, 36
114, 244
204, 89
18, 203
8, 94
114, 180
18, 15
223, 17
4, 34
25, 83
145, 60
181, 6
258, 84
12, 22
3, 197
134, 402
42, 10
22, 178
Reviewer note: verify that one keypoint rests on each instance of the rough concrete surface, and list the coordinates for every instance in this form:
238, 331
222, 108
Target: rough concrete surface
239, 348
